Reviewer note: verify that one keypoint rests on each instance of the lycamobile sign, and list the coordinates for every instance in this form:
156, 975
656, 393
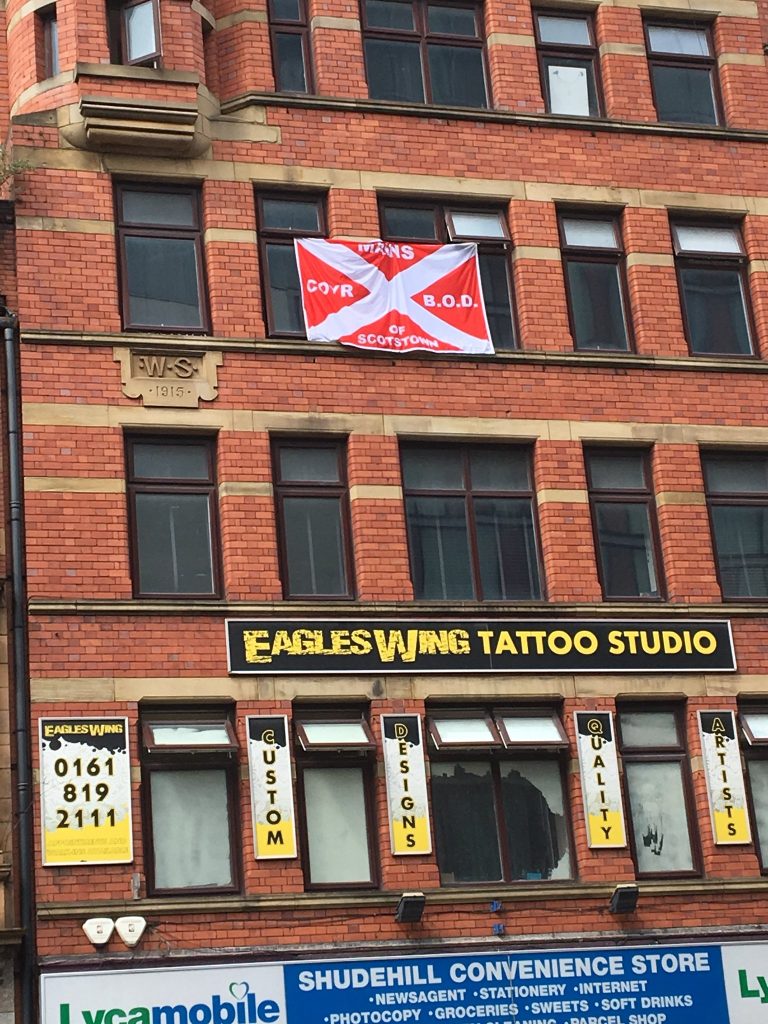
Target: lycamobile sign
701, 984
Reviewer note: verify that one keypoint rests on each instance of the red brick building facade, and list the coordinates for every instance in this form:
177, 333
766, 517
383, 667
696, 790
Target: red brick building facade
190, 458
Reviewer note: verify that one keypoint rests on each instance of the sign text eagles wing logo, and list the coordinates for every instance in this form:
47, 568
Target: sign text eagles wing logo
390, 296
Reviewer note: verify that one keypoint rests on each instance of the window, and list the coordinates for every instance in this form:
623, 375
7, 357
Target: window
47, 42
498, 799
134, 32
711, 274
281, 219
657, 787
189, 773
471, 531
754, 724
682, 73
568, 63
161, 258
289, 30
417, 51
593, 262
432, 222
334, 759
313, 518
172, 510
624, 523
737, 493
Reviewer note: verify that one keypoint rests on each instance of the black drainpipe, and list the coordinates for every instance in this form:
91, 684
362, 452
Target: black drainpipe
21, 709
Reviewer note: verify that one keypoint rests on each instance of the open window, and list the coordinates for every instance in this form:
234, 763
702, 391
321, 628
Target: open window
189, 780
498, 794
134, 32
335, 764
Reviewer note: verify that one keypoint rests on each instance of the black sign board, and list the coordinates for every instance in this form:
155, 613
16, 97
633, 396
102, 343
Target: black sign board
312, 646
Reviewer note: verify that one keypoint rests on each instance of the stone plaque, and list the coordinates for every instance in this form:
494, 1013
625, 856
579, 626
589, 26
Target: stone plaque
169, 378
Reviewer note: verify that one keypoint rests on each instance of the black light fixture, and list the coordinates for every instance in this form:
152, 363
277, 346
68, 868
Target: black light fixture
410, 908
624, 899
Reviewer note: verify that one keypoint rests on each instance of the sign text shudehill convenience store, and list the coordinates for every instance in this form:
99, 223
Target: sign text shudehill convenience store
512, 645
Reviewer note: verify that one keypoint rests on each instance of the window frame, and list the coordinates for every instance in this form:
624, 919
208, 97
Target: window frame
468, 493
568, 51
299, 27
283, 236
361, 756
421, 35
154, 485
659, 754
204, 758
47, 42
118, 34
445, 233
713, 261
752, 749
591, 254
634, 495
319, 489
136, 229
661, 58
496, 754
729, 499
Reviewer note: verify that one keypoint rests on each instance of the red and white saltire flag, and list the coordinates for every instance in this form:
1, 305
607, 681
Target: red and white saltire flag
393, 297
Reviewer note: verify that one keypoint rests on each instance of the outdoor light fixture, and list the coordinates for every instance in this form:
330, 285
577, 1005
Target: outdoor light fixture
624, 899
410, 908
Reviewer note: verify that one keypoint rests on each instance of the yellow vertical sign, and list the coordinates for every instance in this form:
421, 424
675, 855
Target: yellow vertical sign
269, 763
600, 786
406, 784
725, 778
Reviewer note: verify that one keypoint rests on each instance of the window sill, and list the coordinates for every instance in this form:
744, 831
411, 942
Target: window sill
85, 70
422, 110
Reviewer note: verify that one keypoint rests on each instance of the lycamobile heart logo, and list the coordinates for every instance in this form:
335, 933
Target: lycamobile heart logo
245, 1009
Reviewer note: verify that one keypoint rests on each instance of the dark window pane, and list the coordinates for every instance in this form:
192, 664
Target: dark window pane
741, 544
319, 465
389, 14
190, 829
437, 536
314, 546
597, 309
494, 277
506, 548
289, 62
534, 817
433, 469
570, 86
659, 818
290, 215
170, 461
626, 549
173, 534
452, 21
394, 70
409, 222
140, 31
456, 74
284, 290
715, 310
684, 95
162, 281
499, 470
758, 784
285, 10
617, 472
729, 474
465, 822
166, 209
